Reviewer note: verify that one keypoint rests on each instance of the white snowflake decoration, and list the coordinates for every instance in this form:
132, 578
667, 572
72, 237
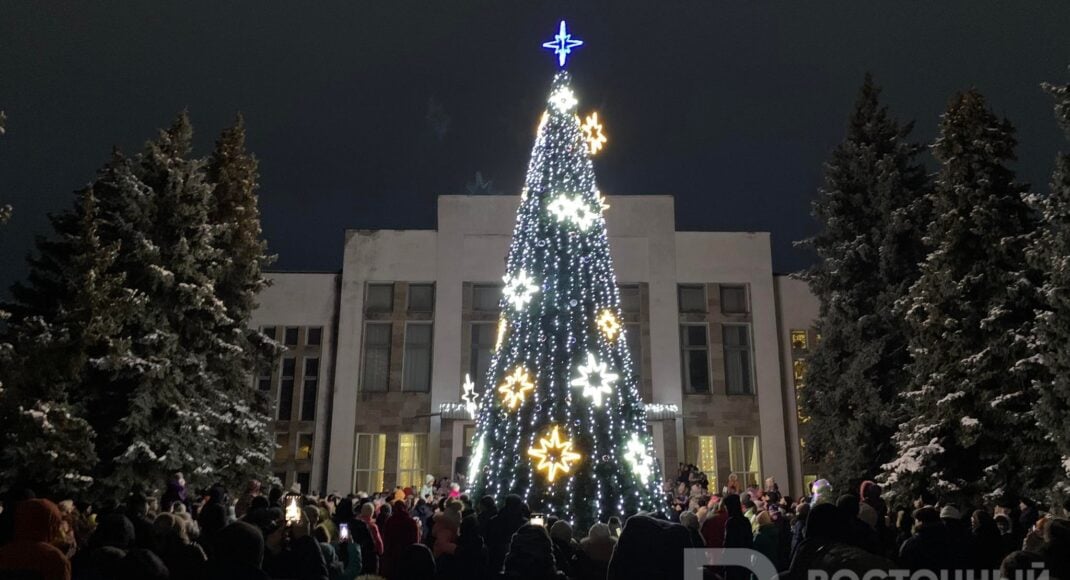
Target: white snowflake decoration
636, 456
595, 379
563, 99
470, 396
519, 289
572, 209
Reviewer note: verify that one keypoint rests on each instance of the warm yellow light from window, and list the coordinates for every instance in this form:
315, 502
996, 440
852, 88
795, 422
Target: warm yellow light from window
798, 370
799, 340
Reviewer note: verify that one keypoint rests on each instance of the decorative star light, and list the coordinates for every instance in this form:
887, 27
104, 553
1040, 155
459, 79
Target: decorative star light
593, 133
607, 322
519, 289
503, 325
567, 208
477, 459
554, 454
635, 454
563, 99
595, 379
470, 396
515, 388
562, 44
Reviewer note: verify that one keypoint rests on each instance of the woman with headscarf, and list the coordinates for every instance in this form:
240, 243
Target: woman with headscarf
399, 532
32, 549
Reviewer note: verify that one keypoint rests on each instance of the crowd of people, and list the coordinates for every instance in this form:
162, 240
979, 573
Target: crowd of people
435, 532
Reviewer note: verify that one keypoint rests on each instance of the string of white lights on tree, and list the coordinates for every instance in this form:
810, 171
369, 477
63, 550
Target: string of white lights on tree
561, 422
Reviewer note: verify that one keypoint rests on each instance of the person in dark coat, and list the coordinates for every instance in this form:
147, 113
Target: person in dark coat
502, 527
565, 546
107, 547
929, 548
856, 532
712, 529
424, 512
650, 548
470, 559
296, 557
175, 492
184, 560
399, 532
485, 511
987, 544
416, 563
31, 551
531, 556
240, 554
137, 511
596, 550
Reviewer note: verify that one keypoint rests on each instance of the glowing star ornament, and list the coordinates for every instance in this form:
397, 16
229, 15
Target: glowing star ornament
595, 379
563, 99
562, 44
554, 454
569, 209
519, 289
593, 133
515, 388
470, 397
636, 456
608, 324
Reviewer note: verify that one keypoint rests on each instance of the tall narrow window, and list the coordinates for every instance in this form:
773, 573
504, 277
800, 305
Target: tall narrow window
309, 388
486, 297
481, 349
737, 360
412, 459
304, 479
369, 460
304, 446
269, 331
692, 298
417, 374
314, 336
695, 355
629, 299
380, 298
744, 460
286, 388
702, 453
798, 371
263, 380
733, 299
421, 297
376, 372
635, 347
282, 446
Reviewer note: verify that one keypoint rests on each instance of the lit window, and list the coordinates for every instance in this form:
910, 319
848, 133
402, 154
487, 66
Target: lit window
695, 355
702, 453
798, 371
733, 299
369, 459
282, 446
486, 297
380, 298
799, 340
286, 388
309, 389
692, 298
737, 359
417, 371
421, 297
629, 299
744, 461
304, 446
376, 371
412, 459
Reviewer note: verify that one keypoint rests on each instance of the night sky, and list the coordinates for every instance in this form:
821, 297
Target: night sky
363, 112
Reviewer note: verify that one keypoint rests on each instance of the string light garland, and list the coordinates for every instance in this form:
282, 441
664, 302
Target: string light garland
594, 134
515, 388
503, 326
554, 454
572, 209
608, 324
637, 457
595, 379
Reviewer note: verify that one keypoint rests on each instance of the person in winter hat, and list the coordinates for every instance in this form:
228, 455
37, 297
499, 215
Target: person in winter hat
399, 532
592, 559
32, 549
240, 555
531, 556
821, 492
690, 521
564, 546
428, 488
447, 526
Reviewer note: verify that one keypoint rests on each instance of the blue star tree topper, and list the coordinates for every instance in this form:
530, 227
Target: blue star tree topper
562, 44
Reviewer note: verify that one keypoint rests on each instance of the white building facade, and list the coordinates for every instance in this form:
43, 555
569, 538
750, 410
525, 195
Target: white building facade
366, 394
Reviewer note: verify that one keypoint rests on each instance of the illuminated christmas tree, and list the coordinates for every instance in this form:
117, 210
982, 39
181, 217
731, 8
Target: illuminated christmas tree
560, 421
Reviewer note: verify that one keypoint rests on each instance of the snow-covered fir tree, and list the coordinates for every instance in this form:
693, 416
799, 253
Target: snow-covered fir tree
1051, 253
240, 416
868, 249
971, 425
